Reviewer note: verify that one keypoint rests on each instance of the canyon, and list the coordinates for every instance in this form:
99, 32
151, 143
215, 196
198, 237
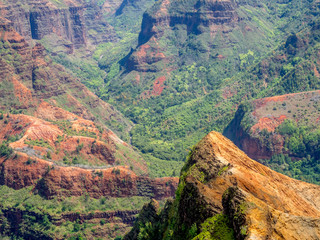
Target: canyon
101, 101
55, 129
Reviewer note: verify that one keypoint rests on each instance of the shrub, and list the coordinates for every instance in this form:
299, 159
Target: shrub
5, 150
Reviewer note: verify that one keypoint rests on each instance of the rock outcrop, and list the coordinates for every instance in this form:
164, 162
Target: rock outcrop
52, 180
55, 137
194, 17
222, 191
69, 24
36, 18
31, 77
254, 126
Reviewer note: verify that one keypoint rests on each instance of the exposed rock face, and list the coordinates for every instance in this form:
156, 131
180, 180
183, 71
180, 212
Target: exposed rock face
52, 180
38, 87
258, 202
98, 30
35, 19
32, 77
196, 17
266, 114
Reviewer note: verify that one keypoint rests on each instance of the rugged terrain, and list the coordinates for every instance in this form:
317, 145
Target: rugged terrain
30, 75
266, 115
56, 144
196, 61
223, 194
68, 24
282, 132
176, 72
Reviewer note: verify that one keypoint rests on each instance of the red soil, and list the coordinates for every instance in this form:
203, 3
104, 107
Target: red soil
269, 123
158, 86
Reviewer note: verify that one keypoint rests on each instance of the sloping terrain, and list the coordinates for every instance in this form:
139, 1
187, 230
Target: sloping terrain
282, 132
186, 73
223, 194
29, 75
197, 60
55, 145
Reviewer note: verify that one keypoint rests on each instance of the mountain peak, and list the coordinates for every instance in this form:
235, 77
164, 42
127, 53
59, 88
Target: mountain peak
219, 183
255, 178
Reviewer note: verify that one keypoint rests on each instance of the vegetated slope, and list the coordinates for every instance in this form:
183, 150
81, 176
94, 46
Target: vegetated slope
223, 194
281, 132
70, 24
55, 145
28, 75
291, 69
183, 78
72, 30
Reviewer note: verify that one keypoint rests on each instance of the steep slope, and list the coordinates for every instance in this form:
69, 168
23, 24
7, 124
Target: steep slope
282, 132
181, 82
35, 19
29, 77
223, 194
65, 25
267, 115
176, 33
33, 85
55, 145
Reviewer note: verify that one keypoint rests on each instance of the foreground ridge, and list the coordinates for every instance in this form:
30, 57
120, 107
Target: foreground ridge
223, 194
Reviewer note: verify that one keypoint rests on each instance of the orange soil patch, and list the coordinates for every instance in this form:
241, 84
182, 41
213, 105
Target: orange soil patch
160, 55
74, 181
255, 180
263, 101
269, 123
47, 111
36, 129
158, 86
22, 92
137, 78
11, 36
163, 9
142, 52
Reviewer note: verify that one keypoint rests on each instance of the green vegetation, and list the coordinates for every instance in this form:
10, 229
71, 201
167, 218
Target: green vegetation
41, 217
163, 168
305, 169
217, 227
5, 150
302, 144
202, 94
39, 143
208, 74
66, 127
179, 219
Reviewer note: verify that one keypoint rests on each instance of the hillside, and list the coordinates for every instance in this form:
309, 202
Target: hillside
31, 75
101, 101
181, 82
282, 132
58, 156
223, 194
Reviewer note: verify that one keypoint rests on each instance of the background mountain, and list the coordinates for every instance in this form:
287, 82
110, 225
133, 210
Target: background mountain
181, 82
